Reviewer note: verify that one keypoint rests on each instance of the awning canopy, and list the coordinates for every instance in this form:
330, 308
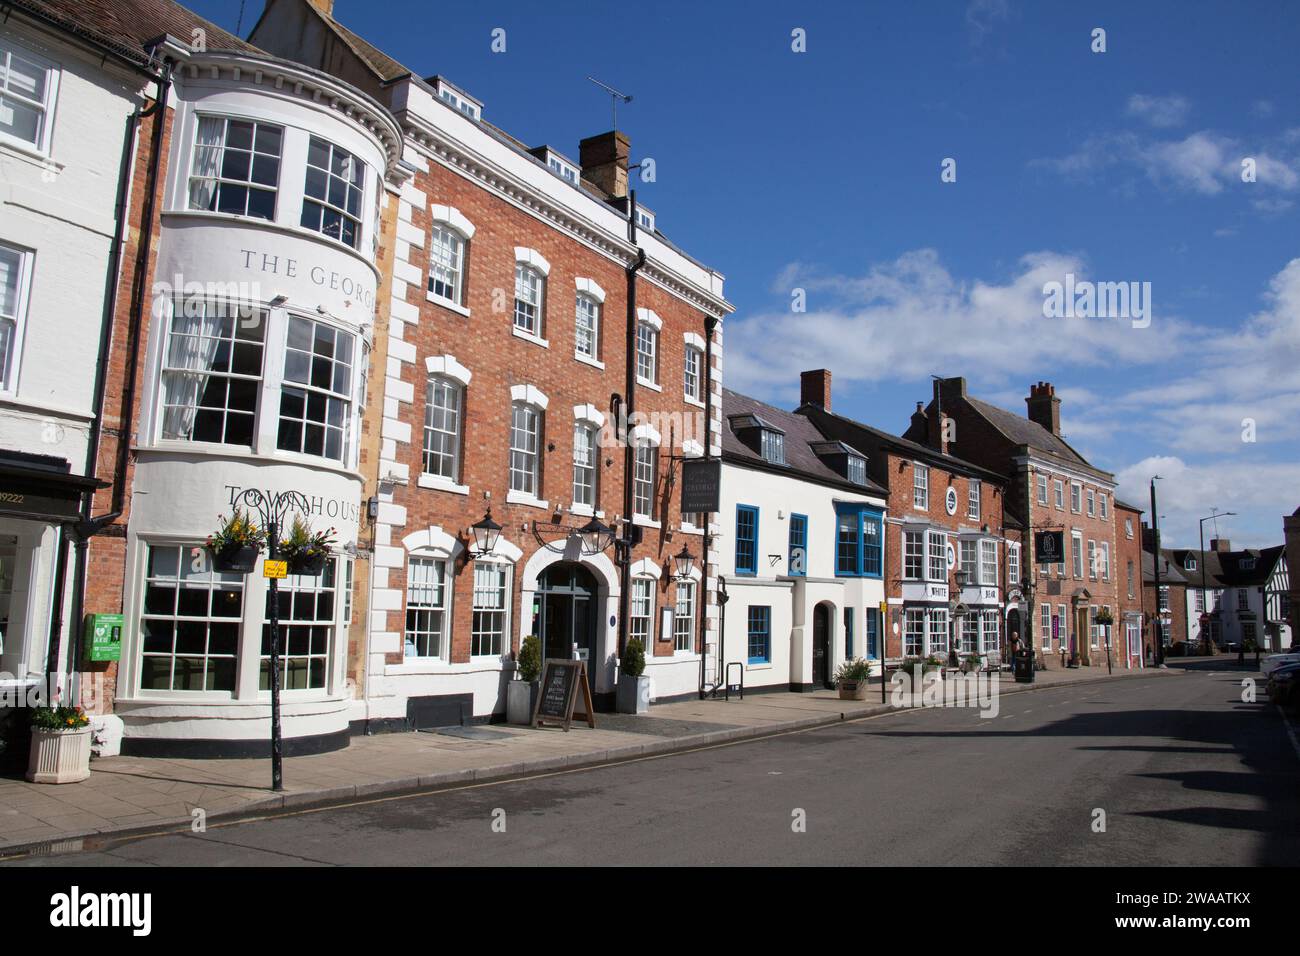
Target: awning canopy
42, 488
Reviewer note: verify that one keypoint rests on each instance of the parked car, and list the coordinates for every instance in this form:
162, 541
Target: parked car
1274, 661
1284, 685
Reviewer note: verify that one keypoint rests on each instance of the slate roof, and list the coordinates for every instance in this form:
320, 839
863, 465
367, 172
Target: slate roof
1169, 573
1025, 431
1223, 568
125, 26
906, 445
800, 435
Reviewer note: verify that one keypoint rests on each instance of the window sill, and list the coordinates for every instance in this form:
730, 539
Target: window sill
644, 522
758, 665
693, 401
212, 450
529, 337
585, 511
441, 484
30, 152
646, 383
690, 529
588, 360
447, 304
523, 498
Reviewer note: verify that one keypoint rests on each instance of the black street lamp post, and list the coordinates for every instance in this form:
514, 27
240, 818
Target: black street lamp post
1205, 604
272, 509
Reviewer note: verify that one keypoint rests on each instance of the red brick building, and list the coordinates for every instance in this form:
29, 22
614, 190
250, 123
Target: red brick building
1165, 605
1050, 487
1129, 624
952, 552
545, 358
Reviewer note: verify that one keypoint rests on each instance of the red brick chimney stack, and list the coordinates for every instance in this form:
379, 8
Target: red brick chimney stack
815, 388
1045, 407
603, 159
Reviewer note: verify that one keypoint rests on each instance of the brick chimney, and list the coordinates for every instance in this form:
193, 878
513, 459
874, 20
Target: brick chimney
603, 159
1045, 407
1221, 545
815, 388
920, 428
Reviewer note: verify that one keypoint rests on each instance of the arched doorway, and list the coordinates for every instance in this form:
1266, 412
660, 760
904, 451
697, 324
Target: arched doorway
567, 612
821, 645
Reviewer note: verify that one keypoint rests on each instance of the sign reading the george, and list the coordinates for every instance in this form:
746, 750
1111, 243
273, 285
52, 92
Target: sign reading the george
104, 636
275, 569
1049, 547
561, 681
701, 485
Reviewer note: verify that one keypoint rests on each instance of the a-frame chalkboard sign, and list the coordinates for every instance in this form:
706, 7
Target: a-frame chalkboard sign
561, 682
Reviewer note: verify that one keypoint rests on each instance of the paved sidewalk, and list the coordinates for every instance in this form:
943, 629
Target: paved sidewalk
127, 794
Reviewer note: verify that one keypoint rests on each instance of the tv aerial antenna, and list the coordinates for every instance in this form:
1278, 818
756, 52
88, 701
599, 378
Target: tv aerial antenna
614, 96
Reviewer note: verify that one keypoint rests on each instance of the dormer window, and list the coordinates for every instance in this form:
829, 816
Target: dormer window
1190, 563
772, 444
857, 470
1246, 564
457, 99
645, 218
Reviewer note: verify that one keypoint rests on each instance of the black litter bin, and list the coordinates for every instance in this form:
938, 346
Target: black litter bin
1024, 667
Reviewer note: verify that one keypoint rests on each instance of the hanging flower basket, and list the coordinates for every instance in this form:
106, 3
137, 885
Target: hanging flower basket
304, 549
236, 543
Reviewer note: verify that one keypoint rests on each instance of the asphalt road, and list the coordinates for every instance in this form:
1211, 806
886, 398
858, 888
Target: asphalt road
1185, 773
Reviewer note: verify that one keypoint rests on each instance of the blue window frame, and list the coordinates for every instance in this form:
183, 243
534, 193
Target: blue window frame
760, 634
798, 545
871, 620
859, 546
848, 633
746, 539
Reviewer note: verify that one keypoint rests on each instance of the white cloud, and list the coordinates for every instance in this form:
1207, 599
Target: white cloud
907, 318
1260, 493
1159, 111
982, 16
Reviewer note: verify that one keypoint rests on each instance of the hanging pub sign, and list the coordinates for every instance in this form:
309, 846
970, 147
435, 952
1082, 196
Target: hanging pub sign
1049, 547
701, 485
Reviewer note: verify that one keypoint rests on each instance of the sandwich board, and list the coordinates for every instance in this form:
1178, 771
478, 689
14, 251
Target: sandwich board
561, 682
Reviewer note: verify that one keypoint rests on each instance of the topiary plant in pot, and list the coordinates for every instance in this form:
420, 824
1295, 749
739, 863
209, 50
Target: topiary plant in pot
633, 685
521, 695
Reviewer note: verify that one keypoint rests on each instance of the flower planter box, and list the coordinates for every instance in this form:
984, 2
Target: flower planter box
308, 564
521, 697
853, 690
238, 560
59, 756
633, 695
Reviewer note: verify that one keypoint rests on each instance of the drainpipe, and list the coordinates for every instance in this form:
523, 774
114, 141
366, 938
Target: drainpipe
710, 324
88, 526
629, 459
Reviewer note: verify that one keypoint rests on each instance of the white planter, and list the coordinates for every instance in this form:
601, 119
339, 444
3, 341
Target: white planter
59, 756
519, 701
633, 695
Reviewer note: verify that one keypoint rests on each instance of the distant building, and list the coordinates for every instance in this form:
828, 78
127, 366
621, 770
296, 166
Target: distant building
1127, 630
1241, 595
1291, 527
1165, 604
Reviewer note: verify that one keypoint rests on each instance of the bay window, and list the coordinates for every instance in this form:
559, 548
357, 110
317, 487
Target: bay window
937, 565
331, 202
913, 632
913, 555
189, 625
236, 167
858, 549
442, 421
938, 631
211, 373
970, 560
306, 604
316, 397
988, 563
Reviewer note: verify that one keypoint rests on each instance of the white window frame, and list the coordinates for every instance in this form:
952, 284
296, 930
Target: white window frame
414, 584
1013, 564
1045, 626
47, 104
1042, 489
446, 385
913, 555
586, 325
684, 618
644, 479
1076, 554
534, 454
347, 397
693, 374
936, 550
920, 486
588, 432
647, 354
1058, 493
218, 181
1092, 503
357, 217
14, 321
1076, 497
447, 257
973, 488
640, 612
506, 571
914, 628
988, 563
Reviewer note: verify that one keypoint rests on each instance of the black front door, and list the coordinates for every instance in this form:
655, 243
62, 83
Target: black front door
566, 622
821, 649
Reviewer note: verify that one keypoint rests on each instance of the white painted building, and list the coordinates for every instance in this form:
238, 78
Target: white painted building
65, 142
1246, 594
256, 360
802, 551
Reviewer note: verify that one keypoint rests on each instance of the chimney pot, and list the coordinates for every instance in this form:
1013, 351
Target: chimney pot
815, 388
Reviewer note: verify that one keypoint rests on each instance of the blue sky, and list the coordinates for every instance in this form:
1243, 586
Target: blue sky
821, 171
